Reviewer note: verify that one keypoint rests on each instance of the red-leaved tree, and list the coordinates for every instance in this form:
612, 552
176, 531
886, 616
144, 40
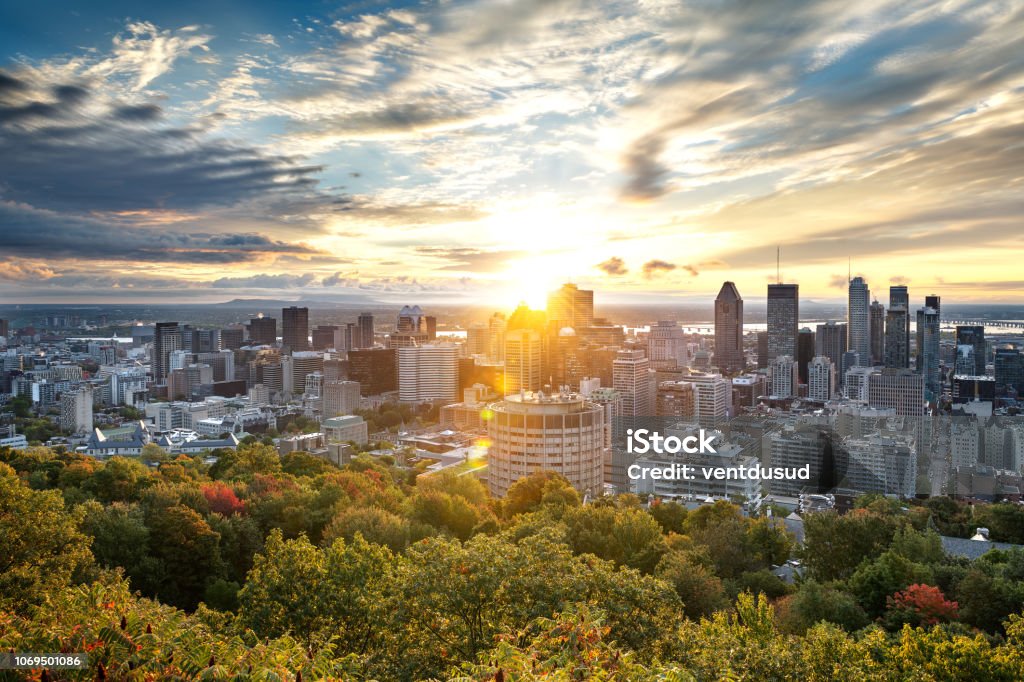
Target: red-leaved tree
920, 605
222, 498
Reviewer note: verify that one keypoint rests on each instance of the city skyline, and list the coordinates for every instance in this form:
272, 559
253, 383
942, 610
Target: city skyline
467, 152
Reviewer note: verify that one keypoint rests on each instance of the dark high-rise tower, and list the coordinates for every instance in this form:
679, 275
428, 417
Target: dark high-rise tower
295, 328
263, 331
928, 351
830, 341
897, 328
366, 334
974, 336
805, 352
166, 339
729, 329
877, 332
783, 316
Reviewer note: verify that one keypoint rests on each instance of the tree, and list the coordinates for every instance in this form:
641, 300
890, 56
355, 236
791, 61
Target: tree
874, 581
835, 545
41, 548
317, 595
528, 492
699, 589
246, 462
629, 537
375, 524
671, 516
189, 551
816, 603
919, 605
120, 479
305, 464
120, 538
222, 498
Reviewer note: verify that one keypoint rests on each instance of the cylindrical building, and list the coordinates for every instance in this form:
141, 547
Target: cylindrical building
535, 432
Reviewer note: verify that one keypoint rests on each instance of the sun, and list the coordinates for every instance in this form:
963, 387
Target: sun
529, 281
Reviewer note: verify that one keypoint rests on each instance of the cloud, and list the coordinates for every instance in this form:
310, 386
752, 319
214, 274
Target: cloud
148, 52
899, 281
77, 152
470, 259
282, 281
614, 266
43, 234
14, 270
653, 267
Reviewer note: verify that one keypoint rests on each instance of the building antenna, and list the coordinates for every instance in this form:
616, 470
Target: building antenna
849, 269
778, 264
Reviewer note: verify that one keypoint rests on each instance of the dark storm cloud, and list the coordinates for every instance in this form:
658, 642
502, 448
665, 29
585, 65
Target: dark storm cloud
53, 155
140, 113
398, 117
34, 233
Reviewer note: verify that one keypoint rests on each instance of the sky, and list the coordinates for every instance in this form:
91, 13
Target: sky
487, 151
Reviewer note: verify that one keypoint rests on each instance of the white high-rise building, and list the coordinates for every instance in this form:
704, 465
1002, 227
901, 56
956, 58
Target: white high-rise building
562, 433
821, 379
76, 409
785, 378
666, 346
712, 399
429, 372
859, 319
631, 377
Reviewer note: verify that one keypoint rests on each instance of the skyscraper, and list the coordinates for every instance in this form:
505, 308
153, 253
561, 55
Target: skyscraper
897, 338
877, 332
784, 376
263, 330
366, 331
974, 336
859, 320
928, 351
295, 329
805, 352
821, 381
570, 306
631, 376
899, 299
666, 346
76, 409
830, 341
166, 340
729, 329
783, 317
523, 361
429, 372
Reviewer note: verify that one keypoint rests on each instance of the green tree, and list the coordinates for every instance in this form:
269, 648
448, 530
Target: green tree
41, 548
835, 545
189, 551
698, 587
815, 603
